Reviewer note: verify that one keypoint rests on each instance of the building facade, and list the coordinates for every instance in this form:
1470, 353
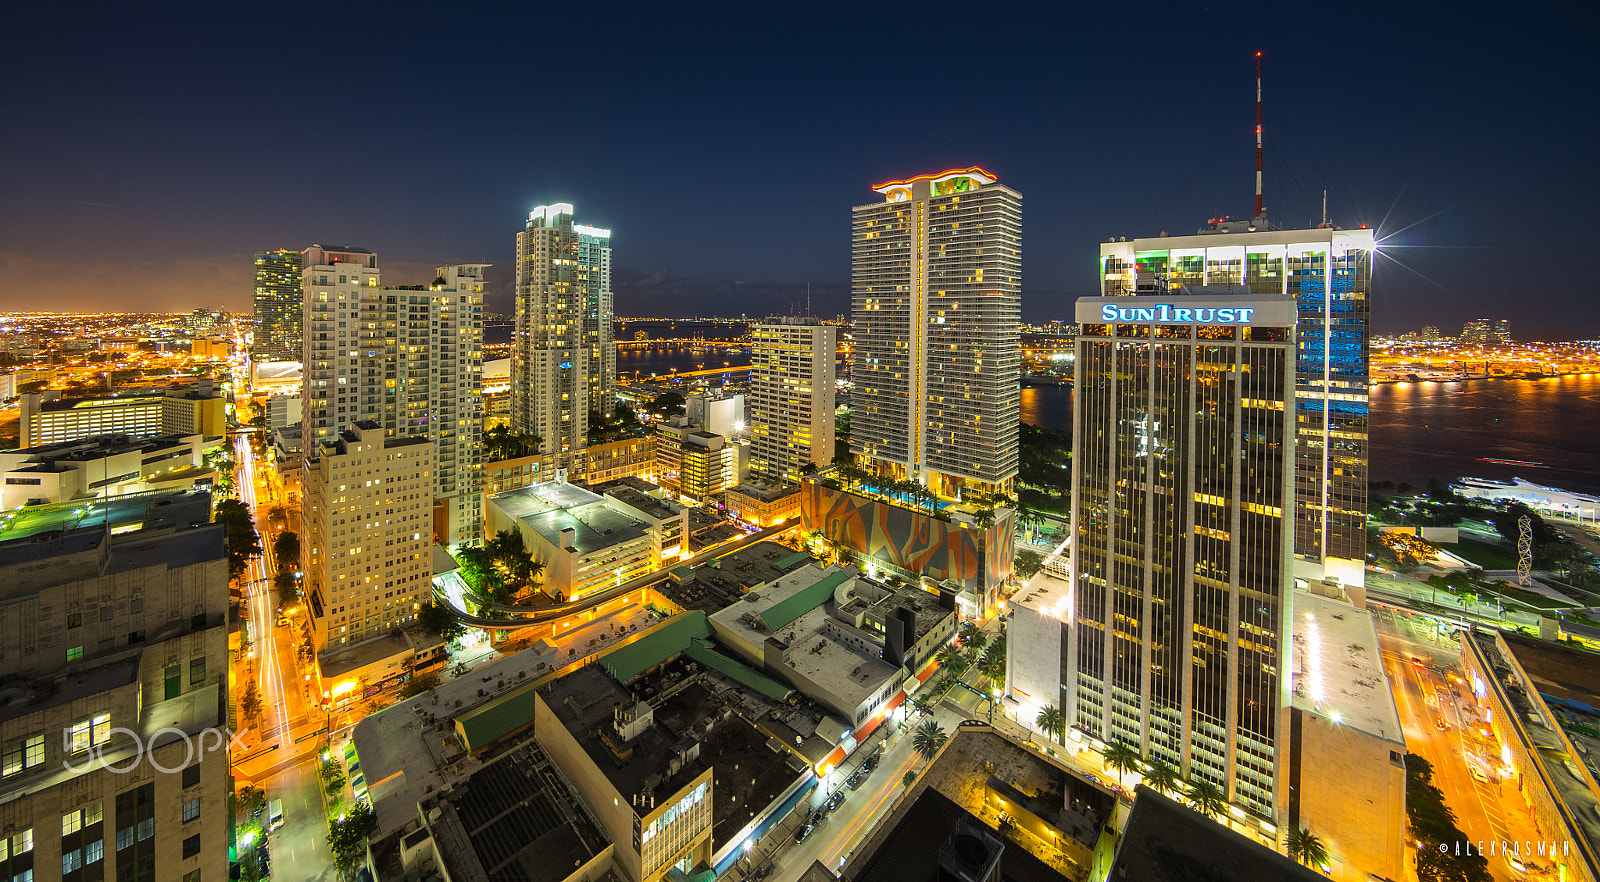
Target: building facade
1183, 493
408, 359
936, 284
696, 464
277, 306
791, 396
367, 516
1329, 274
178, 412
564, 364
113, 754
595, 464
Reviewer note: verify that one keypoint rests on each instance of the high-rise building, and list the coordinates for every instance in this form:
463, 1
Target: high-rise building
936, 282
368, 520
277, 306
115, 750
1486, 331
407, 358
791, 396
1183, 480
1329, 274
564, 363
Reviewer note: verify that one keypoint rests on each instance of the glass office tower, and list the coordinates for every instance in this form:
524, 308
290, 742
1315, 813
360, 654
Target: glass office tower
1329, 274
1182, 476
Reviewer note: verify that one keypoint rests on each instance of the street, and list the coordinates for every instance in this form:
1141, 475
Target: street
1426, 694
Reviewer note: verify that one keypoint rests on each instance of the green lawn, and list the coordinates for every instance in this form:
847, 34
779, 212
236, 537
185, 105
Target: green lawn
1490, 557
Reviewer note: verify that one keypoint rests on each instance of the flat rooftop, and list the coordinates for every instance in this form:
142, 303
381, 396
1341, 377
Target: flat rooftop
717, 583
660, 509
1166, 840
766, 491
767, 607
515, 818
1337, 668
140, 511
583, 701
820, 657
926, 605
551, 507
1046, 594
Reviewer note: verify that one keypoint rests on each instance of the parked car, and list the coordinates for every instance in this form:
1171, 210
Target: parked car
869, 765
275, 819
801, 834
834, 801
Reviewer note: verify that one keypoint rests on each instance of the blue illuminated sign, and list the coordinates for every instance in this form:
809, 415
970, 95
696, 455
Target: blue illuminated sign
1166, 312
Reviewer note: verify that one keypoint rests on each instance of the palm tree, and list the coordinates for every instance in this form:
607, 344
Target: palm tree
993, 664
1161, 776
947, 655
1053, 721
1207, 798
928, 738
1307, 848
1120, 758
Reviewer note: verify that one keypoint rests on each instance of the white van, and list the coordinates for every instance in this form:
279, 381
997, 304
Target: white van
275, 815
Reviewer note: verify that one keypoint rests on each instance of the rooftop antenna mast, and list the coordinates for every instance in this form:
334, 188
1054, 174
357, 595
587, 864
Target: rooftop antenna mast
1258, 134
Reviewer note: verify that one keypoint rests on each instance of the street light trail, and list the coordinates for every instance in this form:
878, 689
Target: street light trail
268, 670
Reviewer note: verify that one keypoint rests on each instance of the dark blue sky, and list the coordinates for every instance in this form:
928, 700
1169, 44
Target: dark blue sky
147, 152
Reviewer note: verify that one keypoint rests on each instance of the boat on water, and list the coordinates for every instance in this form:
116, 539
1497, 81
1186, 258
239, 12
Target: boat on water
1513, 462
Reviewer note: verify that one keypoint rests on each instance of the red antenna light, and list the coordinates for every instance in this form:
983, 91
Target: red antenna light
1258, 134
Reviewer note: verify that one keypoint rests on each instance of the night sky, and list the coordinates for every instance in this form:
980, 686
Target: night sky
149, 149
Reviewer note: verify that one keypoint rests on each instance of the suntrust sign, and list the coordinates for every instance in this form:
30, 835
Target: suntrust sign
1197, 310
1166, 312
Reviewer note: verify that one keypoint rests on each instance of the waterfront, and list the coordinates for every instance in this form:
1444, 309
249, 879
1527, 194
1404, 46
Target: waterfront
1423, 430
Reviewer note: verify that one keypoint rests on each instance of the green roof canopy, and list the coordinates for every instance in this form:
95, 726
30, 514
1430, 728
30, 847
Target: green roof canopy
803, 601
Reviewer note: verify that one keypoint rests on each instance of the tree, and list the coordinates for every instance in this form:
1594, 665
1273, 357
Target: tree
417, 685
667, 404
509, 551
993, 663
288, 588
1052, 721
972, 637
947, 655
1161, 776
909, 779
1027, 563
928, 738
286, 550
1120, 758
1207, 798
1307, 848
347, 839
250, 702
922, 705
437, 619
243, 540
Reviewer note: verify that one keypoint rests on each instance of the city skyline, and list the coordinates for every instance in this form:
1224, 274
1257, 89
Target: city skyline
173, 200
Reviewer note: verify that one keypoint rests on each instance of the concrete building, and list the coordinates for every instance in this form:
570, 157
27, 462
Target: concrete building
847, 642
716, 411
564, 364
764, 503
367, 521
175, 412
278, 335
936, 286
210, 348
696, 464
590, 541
1343, 707
1165, 839
275, 376
1036, 643
791, 396
107, 466
284, 410
1537, 699
516, 818
1182, 489
408, 359
658, 771
595, 464
1328, 272
115, 760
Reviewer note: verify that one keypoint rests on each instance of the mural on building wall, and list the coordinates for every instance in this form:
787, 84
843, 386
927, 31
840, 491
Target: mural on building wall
976, 559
